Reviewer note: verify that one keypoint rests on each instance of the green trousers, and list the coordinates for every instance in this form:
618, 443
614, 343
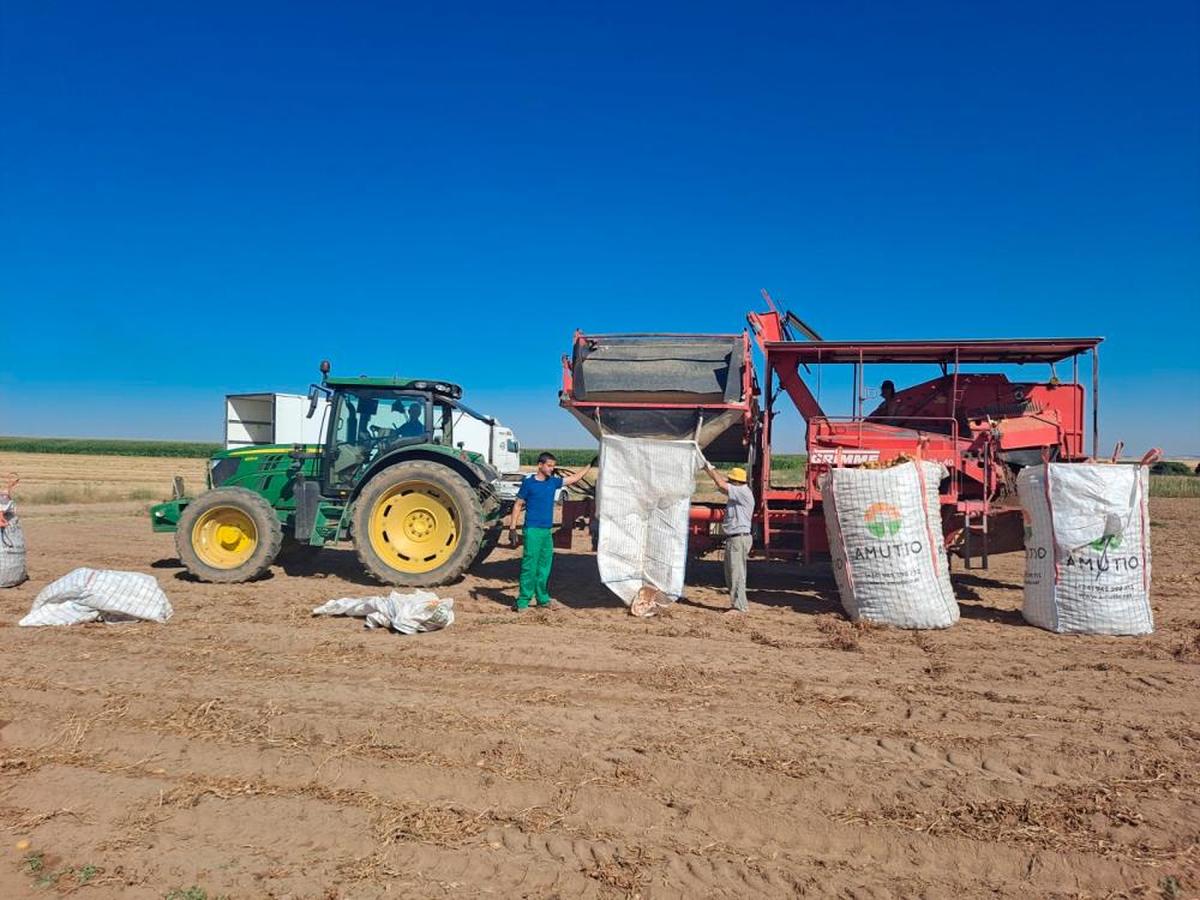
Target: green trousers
535, 567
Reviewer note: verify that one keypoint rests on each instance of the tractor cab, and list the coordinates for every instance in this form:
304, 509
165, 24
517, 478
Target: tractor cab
374, 418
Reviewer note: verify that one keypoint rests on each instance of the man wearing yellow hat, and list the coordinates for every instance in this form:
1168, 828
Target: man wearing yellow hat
739, 512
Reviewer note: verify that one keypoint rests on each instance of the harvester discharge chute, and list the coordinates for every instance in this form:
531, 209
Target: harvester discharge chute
658, 388
665, 386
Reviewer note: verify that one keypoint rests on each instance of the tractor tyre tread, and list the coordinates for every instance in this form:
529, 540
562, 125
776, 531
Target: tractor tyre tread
491, 540
265, 521
471, 530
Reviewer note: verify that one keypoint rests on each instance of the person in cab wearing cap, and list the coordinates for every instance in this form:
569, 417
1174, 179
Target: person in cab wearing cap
739, 512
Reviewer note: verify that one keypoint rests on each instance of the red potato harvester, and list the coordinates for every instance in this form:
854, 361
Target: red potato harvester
981, 426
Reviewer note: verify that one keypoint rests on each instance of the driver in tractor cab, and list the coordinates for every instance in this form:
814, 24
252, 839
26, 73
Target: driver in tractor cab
413, 427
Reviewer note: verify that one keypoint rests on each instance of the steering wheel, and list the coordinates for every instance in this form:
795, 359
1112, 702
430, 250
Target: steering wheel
378, 438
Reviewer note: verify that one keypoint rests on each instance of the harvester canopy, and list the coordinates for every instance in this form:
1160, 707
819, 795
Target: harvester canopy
664, 386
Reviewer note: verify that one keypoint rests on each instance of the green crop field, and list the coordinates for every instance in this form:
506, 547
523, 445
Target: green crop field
106, 447
566, 458
788, 468
573, 458
1174, 486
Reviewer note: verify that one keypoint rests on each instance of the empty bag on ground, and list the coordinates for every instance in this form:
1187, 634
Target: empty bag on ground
405, 613
642, 501
1087, 548
89, 595
885, 536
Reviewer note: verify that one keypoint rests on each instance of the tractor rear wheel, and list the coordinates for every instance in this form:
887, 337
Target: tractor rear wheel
491, 540
228, 535
417, 524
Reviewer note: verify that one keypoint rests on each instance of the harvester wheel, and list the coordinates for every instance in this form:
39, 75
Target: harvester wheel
228, 535
417, 524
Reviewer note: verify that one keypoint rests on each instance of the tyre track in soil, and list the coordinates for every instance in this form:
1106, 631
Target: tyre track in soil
252, 749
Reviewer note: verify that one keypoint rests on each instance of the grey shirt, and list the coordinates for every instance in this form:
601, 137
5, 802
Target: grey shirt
739, 510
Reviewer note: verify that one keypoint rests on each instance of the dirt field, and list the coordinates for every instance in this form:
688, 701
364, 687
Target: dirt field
247, 749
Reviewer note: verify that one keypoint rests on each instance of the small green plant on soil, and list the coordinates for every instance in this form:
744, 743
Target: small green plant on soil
192, 893
1170, 887
81, 875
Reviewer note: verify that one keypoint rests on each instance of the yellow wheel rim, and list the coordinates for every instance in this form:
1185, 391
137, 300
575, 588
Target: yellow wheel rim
224, 537
414, 527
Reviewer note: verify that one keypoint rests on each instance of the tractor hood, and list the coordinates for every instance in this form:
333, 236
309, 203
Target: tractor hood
232, 467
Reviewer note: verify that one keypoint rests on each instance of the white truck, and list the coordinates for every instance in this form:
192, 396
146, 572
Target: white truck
253, 420
486, 436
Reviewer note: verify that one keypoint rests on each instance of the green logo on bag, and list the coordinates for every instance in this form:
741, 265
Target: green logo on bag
883, 519
1109, 540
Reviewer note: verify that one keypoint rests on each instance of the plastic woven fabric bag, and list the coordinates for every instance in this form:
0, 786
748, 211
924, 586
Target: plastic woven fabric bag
885, 536
642, 500
1087, 548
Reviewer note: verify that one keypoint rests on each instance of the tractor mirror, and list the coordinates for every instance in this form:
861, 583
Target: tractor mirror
313, 395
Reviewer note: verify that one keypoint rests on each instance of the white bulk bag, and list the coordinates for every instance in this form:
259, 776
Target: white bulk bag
643, 496
1087, 548
12, 545
885, 536
87, 595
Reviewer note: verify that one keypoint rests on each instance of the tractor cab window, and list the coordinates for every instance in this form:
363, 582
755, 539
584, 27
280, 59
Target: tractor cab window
368, 423
443, 423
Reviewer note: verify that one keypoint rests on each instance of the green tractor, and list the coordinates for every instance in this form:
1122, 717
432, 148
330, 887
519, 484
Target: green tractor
388, 476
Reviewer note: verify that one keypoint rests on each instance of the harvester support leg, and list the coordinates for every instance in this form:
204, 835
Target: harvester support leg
967, 541
985, 541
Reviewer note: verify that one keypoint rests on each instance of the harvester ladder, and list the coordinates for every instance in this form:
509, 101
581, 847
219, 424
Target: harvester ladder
784, 527
975, 521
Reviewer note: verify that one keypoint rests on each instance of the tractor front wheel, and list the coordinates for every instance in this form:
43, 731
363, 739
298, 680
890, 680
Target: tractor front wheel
417, 524
228, 535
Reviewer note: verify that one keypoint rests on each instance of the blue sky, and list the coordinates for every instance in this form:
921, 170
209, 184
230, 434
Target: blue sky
210, 198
